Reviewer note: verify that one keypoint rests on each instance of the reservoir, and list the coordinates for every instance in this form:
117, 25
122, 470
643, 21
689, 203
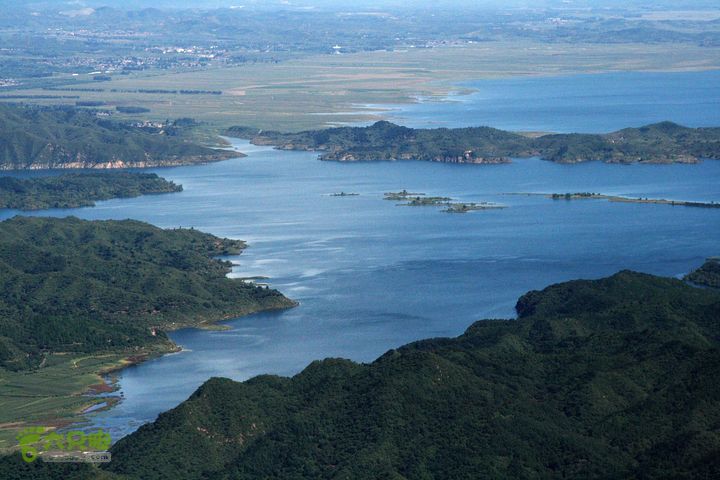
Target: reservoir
371, 275
573, 104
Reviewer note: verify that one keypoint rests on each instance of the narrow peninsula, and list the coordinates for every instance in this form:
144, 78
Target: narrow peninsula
83, 297
76, 190
622, 199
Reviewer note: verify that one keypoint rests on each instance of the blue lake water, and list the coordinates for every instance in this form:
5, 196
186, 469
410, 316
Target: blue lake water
576, 103
371, 275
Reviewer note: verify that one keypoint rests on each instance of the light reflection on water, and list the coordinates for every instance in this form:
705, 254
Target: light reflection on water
371, 276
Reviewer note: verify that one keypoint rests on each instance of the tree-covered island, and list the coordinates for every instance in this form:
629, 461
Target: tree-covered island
664, 142
412, 199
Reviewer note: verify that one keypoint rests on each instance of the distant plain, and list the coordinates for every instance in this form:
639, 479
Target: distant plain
322, 90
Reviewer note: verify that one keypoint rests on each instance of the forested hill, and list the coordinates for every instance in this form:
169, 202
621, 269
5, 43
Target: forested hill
71, 285
664, 142
75, 190
45, 138
708, 274
614, 378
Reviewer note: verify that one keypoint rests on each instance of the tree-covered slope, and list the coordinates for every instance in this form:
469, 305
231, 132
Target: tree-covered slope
45, 138
664, 142
387, 141
708, 274
78, 189
614, 378
69, 285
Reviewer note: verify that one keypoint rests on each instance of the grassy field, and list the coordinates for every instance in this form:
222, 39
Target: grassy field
51, 396
317, 91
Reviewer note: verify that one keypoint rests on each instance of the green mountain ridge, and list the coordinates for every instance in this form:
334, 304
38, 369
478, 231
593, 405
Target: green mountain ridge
79, 189
664, 142
79, 286
61, 138
611, 378
707, 275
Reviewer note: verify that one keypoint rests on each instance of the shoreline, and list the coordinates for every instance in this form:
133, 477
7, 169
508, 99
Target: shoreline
122, 165
145, 356
620, 199
106, 382
449, 91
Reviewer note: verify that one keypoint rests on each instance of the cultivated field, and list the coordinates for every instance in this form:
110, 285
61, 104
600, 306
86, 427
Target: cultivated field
317, 91
51, 396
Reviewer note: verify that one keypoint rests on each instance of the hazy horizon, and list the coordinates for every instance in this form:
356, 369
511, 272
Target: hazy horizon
360, 4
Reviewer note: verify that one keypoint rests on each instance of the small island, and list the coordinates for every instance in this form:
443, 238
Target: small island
664, 142
401, 195
79, 189
618, 198
412, 199
470, 207
427, 201
416, 199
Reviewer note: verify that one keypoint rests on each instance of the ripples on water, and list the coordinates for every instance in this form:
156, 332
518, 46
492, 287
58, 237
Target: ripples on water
577, 103
371, 276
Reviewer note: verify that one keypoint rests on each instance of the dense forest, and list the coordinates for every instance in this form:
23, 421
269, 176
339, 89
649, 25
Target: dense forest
664, 142
708, 274
71, 285
78, 189
611, 378
66, 137
587, 383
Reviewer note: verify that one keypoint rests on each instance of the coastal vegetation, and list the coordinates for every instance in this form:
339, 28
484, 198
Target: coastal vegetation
78, 189
427, 201
402, 195
707, 275
78, 286
611, 378
585, 383
664, 142
344, 194
59, 392
387, 141
67, 137
80, 298
421, 200
621, 199
471, 207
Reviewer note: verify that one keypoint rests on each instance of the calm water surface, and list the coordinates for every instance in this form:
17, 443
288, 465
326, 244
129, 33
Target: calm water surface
371, 276
577, 103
